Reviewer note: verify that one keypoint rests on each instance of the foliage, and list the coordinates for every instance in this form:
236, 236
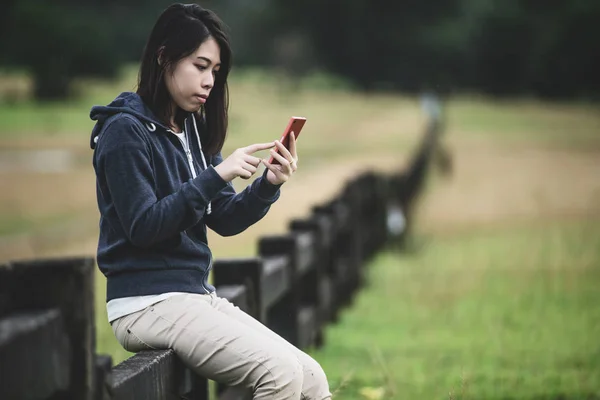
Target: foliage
500, 47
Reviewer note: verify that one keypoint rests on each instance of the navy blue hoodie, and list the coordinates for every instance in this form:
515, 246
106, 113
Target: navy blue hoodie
153, 213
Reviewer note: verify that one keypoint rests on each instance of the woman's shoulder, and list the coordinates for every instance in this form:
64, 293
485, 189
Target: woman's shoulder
127, 122
121, 128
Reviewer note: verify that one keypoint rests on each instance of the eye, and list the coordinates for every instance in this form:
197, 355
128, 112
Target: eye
201, 67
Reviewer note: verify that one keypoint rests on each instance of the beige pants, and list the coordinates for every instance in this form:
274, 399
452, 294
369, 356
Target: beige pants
221, 342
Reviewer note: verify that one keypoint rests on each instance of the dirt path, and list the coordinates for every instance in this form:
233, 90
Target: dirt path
309, 187
491, 184
494, 184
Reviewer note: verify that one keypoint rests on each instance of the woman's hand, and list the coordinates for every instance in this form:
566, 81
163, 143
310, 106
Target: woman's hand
288, 162
241, 162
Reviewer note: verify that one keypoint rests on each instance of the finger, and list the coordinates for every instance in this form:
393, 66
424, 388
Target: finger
284, 162
284, 152
250, 168
280, 175
293, 146
244, 174
252, 160
253, 148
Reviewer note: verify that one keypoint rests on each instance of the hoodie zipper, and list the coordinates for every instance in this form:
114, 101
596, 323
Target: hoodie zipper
190, 162
188, 153
187, 149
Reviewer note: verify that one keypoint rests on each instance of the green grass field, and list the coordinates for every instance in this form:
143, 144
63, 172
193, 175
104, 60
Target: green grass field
511, 314
498, 296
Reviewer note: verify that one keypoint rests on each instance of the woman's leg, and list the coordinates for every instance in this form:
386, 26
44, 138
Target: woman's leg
215, 345
315, 385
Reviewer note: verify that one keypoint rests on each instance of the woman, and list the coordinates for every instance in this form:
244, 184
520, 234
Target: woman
161, 181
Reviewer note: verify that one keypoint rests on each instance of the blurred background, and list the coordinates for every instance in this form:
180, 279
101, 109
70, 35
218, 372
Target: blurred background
497, 297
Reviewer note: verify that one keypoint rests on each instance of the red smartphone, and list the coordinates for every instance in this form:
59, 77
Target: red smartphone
294, 125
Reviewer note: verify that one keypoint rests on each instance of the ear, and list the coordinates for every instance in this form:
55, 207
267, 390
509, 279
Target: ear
159, 55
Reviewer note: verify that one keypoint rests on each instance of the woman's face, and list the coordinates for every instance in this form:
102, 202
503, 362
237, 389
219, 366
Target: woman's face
193, 77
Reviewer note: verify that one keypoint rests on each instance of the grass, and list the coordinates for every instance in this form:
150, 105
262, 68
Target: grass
106, 343
16, 224
512, 314
28, 120
535, 122
260, 106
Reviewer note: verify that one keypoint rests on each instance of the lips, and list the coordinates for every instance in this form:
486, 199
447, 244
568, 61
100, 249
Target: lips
201, 98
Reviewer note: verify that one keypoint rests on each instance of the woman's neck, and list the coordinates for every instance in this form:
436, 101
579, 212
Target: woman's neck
173, 124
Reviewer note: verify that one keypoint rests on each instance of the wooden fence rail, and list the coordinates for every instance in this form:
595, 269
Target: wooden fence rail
296, 285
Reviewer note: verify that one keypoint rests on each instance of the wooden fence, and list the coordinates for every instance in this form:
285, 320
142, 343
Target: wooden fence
296, 285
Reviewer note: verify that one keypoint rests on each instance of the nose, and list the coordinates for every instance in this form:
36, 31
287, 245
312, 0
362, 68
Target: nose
208, 81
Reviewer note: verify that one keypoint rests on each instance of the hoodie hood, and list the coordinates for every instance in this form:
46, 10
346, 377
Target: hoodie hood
126, 102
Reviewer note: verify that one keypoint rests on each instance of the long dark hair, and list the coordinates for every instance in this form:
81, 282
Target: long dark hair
178, 32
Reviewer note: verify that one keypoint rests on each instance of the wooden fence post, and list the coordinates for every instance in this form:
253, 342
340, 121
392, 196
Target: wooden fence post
64, 285
321, 227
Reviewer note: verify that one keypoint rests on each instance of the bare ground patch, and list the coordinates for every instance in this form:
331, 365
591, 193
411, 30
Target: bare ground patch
37, 195
492, 184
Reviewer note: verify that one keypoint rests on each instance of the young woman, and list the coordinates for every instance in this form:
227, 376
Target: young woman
161, 181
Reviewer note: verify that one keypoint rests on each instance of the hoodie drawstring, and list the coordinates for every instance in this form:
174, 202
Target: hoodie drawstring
209, 209
151, 127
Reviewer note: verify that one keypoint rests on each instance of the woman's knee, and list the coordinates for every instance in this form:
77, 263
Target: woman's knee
315, 385
283, 380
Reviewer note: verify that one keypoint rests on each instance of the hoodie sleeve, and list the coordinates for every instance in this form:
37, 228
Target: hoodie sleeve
123, 163
233, 212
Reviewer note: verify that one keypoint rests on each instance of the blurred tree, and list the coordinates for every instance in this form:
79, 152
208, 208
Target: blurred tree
375, 43
57, 41
251, 40
546, 48
501, 47
566, 57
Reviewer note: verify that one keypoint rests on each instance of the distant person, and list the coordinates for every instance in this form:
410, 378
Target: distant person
161, 181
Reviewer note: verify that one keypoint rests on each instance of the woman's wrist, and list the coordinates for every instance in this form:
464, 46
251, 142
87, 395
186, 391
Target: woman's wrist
267, 189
